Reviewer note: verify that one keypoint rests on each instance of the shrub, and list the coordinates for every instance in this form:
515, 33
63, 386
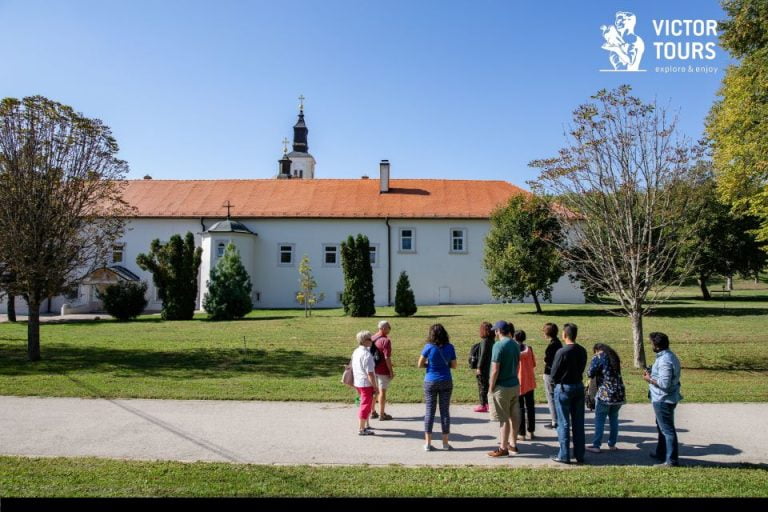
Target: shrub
124, 300
174, 266
405, 303
229, 290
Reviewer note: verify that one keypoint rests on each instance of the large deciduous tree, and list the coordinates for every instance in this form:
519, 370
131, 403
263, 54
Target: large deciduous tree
620, 181
358, 296
60, 199
723, 242
521, 250
738, 121
174, 266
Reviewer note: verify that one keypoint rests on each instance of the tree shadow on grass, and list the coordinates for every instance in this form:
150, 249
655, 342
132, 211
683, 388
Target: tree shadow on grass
681, 312
155, 320
182, 365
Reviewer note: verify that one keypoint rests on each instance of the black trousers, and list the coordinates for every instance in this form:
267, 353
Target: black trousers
527, 406
482, 388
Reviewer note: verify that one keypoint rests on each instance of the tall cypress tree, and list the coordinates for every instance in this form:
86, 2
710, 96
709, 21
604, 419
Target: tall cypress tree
229, 290
358, 297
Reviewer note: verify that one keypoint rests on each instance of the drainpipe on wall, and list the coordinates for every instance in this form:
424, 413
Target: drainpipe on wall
389, 262
201, 223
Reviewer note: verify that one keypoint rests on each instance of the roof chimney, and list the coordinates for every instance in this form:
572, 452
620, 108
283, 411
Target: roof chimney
384, 177
147, 177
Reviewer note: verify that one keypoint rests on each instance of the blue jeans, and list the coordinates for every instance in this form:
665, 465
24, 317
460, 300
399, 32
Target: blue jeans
438, 392
602, 410
569, 400
666, 449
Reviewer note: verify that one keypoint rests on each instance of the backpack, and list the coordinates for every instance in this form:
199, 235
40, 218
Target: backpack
474, 356
376, 354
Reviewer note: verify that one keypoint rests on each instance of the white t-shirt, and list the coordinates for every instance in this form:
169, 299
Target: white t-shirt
362, 364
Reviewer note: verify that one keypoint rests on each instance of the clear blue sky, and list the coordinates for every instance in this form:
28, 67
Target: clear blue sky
443, 89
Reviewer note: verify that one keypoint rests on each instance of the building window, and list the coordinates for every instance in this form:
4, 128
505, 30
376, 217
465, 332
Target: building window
374, 255
257, 296
330, 255
407, 240
458, 240
220, 248
285, 255
339, 297
118, 251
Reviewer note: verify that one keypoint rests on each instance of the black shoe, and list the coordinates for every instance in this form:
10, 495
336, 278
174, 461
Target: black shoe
550, 426
561, 461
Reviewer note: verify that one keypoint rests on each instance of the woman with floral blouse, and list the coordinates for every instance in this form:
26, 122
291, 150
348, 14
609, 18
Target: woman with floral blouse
611, 395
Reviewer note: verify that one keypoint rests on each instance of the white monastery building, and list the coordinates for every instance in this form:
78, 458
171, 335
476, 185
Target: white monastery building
432, 229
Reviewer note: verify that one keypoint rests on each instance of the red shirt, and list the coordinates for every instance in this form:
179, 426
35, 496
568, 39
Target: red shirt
525, 371
385, 347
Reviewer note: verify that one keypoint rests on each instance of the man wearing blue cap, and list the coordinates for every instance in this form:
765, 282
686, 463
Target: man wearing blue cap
504, 387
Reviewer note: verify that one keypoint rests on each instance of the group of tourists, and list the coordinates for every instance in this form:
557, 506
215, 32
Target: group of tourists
506, 383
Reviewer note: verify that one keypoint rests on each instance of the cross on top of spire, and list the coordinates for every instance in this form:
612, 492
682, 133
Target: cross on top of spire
228, 206
301, 102
285, 145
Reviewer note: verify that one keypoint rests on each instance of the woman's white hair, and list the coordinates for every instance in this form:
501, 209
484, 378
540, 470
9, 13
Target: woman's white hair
362, 336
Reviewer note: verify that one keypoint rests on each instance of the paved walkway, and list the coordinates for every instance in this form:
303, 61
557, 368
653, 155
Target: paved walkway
325, 433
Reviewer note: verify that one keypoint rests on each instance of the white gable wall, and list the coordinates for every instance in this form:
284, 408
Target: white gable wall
437, 274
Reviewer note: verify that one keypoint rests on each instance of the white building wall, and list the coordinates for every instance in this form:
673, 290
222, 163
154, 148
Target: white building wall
432, 265
277, 284
432, 268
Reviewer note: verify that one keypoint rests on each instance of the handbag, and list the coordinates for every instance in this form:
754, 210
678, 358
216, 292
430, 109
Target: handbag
591, 394
347, 377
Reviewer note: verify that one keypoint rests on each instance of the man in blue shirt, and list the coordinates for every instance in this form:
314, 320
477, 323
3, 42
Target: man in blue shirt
664, 391
504, 387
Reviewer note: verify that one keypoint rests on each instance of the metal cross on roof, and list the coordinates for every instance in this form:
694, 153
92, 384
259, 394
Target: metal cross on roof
301, 102
285, 145
228, 206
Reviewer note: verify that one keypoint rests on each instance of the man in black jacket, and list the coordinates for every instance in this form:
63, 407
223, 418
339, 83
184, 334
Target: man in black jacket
568, 378
550, 332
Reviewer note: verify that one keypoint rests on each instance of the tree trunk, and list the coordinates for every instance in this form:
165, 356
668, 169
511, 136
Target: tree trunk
729, 283
704, 290
536, 301
33, 331
637, 339
11, 307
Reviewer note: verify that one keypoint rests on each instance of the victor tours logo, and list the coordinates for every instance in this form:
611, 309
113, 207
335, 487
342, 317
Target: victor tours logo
686, 47
625, 48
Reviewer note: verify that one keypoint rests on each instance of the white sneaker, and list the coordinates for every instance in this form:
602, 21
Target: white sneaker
429, 448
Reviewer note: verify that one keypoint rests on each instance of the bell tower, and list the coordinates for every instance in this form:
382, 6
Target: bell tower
302, 163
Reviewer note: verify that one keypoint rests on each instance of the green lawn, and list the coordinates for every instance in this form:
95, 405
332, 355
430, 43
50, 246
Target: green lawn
85, 477
723, 346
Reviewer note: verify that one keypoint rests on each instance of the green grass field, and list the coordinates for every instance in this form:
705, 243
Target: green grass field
723, 346
88, 477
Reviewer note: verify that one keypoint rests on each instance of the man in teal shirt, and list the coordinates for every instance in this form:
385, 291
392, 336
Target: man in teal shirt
505, 389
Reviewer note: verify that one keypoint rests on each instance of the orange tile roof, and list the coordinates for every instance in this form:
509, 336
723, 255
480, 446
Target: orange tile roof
358, 198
